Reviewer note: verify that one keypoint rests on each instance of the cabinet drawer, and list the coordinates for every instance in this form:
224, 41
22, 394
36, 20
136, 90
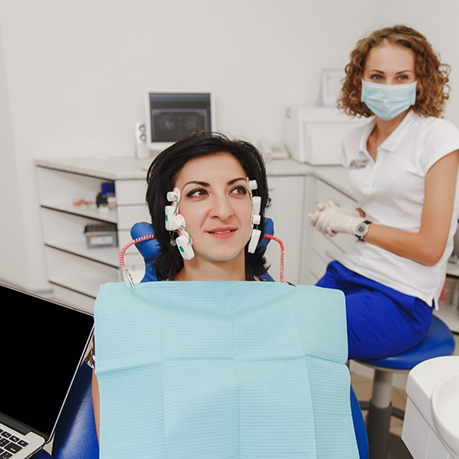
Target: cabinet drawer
128, 215
130, 191
325, 249
80, 274
317, 268
325, 192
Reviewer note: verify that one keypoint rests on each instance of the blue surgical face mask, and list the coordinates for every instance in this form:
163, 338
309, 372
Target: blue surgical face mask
387, 101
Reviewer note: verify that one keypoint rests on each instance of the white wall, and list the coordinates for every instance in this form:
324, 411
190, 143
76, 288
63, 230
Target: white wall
73, 77
12, 223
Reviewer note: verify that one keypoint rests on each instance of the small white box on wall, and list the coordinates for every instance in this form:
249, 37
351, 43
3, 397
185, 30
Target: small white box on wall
313, 134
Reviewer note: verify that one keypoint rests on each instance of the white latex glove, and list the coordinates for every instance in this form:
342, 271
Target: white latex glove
334, 220
321, 206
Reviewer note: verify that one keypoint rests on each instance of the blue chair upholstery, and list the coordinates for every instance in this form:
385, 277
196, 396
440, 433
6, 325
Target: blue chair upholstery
76, 436
359, 427
77, 417
149, 248
438, 342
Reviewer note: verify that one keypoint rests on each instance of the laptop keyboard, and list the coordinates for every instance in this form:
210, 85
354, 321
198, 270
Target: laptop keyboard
10, 444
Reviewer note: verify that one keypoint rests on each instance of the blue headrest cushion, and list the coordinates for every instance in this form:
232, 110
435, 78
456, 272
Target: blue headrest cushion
149, 249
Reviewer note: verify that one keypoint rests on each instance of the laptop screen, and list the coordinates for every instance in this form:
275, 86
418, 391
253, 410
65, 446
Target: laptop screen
42, 345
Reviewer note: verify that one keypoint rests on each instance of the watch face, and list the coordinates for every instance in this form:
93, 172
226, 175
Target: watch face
361, 229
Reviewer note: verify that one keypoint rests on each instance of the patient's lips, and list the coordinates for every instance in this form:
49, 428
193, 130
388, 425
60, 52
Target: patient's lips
223, 232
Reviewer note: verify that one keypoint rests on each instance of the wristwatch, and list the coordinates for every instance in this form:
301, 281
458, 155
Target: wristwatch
361, 229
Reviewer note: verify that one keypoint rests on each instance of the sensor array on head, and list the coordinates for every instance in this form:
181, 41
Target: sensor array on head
256, 217
176, 222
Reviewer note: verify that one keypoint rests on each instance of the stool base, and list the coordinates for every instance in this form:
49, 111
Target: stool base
382, 444
378, 430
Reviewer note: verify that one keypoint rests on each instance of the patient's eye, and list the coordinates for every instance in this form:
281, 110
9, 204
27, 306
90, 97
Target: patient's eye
197, 193
239, 190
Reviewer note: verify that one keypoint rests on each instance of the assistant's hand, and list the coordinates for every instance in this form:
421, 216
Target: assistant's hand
338, 220
320, 207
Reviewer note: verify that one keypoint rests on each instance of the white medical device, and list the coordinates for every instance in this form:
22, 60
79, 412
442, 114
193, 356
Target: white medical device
256, 218
172, 115
176, 222
313, 135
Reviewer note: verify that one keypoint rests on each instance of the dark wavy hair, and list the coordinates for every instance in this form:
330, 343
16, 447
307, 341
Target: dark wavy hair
162, 176
432, 90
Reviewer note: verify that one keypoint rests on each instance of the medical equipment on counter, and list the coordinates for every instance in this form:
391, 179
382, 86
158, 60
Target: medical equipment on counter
313, 134
272, 150
172, 115
102, 235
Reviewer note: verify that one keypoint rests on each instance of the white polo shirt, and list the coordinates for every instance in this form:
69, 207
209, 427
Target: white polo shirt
391, 192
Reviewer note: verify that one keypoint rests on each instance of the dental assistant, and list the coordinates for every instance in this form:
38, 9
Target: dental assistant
403, 168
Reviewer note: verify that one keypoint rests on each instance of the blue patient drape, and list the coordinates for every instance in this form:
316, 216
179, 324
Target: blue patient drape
223, 370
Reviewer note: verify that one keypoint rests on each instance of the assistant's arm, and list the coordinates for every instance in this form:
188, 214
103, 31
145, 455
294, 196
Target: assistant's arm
426, 246
96, 402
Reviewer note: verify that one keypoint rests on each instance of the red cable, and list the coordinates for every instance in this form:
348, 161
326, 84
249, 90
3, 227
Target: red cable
135, 241
152, 236
274, 238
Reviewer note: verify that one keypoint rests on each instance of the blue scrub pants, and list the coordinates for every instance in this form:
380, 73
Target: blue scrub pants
380, 320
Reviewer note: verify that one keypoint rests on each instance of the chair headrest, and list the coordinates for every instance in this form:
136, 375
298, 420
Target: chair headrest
149, 249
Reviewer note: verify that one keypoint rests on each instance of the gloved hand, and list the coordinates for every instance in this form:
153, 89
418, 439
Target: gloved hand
334, 219
331, 219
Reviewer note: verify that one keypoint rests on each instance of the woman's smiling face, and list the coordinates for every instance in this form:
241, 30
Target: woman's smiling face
217, 206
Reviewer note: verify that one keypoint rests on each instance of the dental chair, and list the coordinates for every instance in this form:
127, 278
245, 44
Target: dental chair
75, 435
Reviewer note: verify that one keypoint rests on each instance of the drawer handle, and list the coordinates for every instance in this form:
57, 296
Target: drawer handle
329, 255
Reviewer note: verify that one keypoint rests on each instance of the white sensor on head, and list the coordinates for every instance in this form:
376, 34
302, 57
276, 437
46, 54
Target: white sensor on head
176, 222
254, 239
174, 195
256, 217
184, 246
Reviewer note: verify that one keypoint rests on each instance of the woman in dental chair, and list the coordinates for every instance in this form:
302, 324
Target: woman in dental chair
207, 196
202, 183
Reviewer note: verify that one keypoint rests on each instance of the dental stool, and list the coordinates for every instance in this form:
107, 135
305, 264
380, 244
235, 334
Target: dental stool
438, 342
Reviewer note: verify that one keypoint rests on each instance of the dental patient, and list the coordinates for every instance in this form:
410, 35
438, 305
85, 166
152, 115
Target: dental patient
210, 368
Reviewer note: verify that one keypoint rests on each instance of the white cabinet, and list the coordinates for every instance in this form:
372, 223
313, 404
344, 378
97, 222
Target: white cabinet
74, 270
321, 249
286, 211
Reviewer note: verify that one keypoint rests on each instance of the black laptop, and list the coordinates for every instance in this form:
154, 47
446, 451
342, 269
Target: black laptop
42, 345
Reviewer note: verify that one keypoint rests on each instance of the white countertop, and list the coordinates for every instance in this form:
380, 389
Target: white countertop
129, 168
105, 167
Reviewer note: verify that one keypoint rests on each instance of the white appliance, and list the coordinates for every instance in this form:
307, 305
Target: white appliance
431, 425
313, 134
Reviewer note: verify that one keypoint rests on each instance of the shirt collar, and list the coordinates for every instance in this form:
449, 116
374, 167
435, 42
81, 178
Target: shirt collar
393, 141
366, 131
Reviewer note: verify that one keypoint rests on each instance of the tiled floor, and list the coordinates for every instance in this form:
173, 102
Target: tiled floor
362, 388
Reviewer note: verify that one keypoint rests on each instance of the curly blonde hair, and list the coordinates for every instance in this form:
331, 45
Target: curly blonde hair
432, 90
